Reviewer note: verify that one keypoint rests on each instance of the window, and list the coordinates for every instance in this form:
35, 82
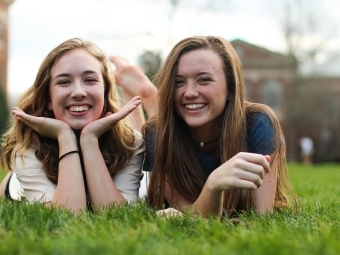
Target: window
272, 94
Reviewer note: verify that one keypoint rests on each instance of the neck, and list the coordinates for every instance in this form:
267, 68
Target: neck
207, 133
202, 144
206, 144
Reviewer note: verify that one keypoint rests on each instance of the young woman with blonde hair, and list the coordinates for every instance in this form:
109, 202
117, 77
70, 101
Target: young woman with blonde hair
70, 144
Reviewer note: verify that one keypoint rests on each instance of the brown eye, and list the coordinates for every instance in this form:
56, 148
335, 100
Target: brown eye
63, 82
179, 83
90, 80
205, 79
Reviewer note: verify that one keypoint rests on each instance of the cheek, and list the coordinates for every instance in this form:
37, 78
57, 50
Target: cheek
100, 105
177, 99
221, 93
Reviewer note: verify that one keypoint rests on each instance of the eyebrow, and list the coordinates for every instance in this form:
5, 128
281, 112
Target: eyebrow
199, 73
67, 74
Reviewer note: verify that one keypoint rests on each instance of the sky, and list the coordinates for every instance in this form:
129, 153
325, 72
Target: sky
129, 27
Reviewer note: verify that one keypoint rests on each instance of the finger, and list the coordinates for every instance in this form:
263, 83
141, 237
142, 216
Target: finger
161, 213
122, 113
169, 212
249, 176
244, 184
22, 116
126, 110
118, 61
134, 101
256, 159
243, 165
268, 158
255, 169
17, 111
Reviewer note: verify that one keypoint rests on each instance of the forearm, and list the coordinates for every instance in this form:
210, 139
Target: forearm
136, 117
148, 97
265, 195
101, 187
209, 203
149, 100
70, 191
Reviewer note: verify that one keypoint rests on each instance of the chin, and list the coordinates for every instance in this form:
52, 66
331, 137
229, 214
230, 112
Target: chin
195, 125
77, 126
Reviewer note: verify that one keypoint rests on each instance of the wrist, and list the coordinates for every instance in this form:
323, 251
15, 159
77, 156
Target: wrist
67, 141
87, 140
211, 184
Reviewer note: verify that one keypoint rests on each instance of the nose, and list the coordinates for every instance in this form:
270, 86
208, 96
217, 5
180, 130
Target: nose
191, 90
78, 90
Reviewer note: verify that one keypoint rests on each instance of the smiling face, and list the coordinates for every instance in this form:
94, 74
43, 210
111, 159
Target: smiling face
77, 89
201, 92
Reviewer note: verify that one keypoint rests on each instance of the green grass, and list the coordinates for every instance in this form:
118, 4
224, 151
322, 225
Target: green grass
27, 229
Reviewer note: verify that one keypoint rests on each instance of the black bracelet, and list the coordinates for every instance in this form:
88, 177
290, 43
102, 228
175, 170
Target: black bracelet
62, 156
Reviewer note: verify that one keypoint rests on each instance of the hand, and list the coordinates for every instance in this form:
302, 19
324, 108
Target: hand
244, 171
47, 127
100, 126
132, 79
169, 212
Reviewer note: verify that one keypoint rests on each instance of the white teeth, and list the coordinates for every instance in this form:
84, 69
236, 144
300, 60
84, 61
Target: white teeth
194, 106
79, 108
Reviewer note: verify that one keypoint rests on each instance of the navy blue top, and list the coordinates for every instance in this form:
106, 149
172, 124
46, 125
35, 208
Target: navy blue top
260, 139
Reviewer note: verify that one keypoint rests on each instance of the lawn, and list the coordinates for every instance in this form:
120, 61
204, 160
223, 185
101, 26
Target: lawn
315, 229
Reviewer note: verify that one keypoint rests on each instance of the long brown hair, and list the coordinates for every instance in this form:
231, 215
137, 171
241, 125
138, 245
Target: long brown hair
116, 145
176, 160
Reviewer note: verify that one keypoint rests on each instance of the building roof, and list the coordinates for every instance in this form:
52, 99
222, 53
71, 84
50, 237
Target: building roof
253, 56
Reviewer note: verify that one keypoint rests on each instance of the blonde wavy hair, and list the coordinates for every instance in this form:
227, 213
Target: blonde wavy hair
116, 145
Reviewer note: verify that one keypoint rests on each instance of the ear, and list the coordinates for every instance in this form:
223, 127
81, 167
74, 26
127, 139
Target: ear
50, 106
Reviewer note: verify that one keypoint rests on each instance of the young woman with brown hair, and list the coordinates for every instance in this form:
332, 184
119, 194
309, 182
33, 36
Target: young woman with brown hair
209, 149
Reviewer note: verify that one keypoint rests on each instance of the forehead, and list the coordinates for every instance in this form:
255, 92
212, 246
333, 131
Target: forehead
76, 60
201, 60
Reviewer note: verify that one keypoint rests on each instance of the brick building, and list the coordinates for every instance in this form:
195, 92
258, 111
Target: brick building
304, 105
4, 4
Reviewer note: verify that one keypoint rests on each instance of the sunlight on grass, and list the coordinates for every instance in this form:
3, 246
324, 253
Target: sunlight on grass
315, 229
317, 182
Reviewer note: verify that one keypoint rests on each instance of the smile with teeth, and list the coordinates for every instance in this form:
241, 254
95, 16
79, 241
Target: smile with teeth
78, 108
194, 106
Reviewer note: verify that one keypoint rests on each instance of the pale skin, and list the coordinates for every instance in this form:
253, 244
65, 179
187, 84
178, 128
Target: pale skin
244, 170
70, 192
134, 82
199, 85
77, 99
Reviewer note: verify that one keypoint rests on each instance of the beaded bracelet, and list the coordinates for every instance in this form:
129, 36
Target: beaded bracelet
62, 156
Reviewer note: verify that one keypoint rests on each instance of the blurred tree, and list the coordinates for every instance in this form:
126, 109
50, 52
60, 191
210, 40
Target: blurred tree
150, 62
4, 114
306, 32
174, 10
